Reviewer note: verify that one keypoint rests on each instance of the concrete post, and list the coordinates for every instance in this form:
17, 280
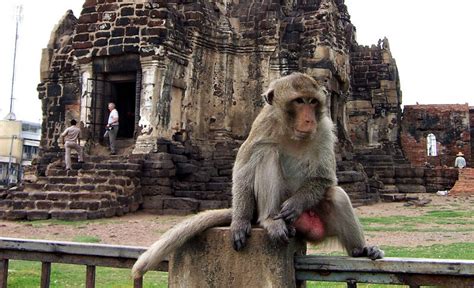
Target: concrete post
210, 261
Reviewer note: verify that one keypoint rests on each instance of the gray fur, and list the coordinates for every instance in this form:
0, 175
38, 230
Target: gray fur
276, 177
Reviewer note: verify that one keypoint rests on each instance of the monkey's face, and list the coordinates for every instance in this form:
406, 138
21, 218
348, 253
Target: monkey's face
302, 114
299, 102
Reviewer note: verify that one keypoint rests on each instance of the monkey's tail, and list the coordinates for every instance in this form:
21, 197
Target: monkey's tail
177, 236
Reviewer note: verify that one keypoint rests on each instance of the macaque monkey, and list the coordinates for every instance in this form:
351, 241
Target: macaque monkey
284, 179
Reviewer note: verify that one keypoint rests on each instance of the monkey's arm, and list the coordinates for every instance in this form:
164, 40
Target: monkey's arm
309, 195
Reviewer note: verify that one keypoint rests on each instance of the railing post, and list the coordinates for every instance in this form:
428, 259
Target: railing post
45, 274
3, 273
90, 276
351, 284
138, 283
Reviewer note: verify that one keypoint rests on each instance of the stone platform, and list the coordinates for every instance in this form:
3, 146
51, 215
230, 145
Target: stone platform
209, 260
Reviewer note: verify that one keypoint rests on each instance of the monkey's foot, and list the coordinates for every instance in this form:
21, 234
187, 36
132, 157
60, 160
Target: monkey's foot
371, 252
240, 232
278, 231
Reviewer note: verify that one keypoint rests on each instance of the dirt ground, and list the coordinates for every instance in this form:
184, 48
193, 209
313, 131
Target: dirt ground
142, 229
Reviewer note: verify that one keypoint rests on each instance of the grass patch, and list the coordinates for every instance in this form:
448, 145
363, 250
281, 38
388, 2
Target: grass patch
463, 251
86, 239
465, 220
450, 251
26, 274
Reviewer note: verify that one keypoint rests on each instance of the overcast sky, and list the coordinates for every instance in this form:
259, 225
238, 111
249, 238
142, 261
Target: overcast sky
431, 40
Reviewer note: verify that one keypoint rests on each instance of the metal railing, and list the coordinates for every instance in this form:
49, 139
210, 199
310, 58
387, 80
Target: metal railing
407, 271
90, 255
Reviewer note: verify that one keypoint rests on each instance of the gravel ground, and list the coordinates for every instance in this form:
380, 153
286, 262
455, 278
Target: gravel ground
142, 229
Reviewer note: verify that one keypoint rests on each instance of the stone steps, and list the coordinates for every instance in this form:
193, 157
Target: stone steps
103, 186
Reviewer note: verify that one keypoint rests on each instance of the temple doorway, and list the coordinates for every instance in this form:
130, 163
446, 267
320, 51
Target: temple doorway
123, 94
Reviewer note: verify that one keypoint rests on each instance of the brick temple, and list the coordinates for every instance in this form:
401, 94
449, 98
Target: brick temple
187, 78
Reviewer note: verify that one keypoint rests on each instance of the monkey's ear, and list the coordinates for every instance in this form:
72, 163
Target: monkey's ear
268, 96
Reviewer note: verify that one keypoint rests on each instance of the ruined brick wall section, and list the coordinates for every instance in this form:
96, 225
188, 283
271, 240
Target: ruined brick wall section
471, 123
58, 77
184, 179
450, 125
373, 108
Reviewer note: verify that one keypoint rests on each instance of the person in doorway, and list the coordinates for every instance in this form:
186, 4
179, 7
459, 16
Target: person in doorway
71, 138
460, 162
112, 127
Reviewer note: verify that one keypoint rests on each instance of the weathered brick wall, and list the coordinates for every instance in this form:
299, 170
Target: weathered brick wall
373, 108
184, 179
449, 124
59, 89
209, 59
471, 123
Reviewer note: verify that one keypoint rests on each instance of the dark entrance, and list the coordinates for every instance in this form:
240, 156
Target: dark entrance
123, 95
118, 80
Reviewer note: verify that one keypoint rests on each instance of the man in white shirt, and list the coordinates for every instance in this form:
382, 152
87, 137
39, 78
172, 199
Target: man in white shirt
112, 127
71, 138
460, 162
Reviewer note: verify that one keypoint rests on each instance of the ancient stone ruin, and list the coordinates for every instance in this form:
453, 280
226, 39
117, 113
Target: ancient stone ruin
187, 78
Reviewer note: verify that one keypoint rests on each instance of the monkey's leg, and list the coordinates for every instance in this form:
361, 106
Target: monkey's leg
341, 221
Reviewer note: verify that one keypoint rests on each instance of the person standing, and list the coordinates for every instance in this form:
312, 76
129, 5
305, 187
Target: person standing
113, 127
71, 138
460, 162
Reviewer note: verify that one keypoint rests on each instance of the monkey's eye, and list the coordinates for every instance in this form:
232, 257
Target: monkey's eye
299, 100
313, 101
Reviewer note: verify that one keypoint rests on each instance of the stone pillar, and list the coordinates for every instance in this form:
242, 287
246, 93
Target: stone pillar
150, 93
210, 261
86, 73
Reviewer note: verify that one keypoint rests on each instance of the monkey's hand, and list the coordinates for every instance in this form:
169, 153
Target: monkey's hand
290, 210
240, 230
371, 252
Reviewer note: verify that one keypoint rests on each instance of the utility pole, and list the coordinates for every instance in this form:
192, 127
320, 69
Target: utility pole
18, 19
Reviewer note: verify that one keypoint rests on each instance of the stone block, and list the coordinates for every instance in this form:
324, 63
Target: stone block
225, 172
350, 176
213, 204
85, 205
189, 186
186, 168
38, 196
14, 215
153, 202
69, 215
159, 164
43, 204
156, 190
186, 204
261, 263
411, 188
218, 186
37, 214
57, 196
